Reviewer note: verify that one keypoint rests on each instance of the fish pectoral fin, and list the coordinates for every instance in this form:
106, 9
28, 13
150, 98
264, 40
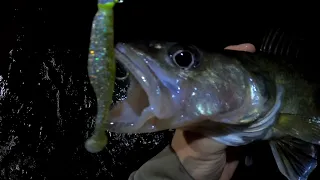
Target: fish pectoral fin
296, 159
301, 127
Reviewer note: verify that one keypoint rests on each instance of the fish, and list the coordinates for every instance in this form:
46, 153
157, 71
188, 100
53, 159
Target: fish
232, 97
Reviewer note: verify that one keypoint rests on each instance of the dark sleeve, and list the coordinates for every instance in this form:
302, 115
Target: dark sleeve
164, 166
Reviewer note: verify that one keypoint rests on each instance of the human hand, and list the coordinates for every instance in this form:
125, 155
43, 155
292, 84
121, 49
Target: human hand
202, 157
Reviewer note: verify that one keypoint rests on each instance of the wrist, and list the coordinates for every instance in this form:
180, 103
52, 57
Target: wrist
201, 167
202, 159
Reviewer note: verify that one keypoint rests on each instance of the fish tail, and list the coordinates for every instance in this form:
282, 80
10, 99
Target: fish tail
295, 158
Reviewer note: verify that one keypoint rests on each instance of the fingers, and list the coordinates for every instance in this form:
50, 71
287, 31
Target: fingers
204, 150
230, 167
203, 145
229, 170
242, 47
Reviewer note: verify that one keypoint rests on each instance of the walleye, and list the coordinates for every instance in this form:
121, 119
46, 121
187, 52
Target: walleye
233, 97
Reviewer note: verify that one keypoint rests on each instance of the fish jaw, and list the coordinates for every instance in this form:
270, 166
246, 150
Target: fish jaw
170, 97
135, 115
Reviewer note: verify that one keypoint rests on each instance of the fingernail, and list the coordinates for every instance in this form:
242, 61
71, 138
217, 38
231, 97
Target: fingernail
242, 47
248, 47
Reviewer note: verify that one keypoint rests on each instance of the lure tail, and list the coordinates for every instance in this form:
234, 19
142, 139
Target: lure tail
101, 70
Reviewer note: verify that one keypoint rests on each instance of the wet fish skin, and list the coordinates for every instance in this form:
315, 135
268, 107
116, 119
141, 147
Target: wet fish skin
300, 94
222, 84
234, 97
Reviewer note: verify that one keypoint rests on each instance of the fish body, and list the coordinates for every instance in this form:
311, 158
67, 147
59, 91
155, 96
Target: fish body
233, 97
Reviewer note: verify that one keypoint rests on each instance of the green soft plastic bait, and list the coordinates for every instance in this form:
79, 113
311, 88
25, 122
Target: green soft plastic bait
101, 70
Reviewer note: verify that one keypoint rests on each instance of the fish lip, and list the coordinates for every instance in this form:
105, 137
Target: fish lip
122, 48
140, 71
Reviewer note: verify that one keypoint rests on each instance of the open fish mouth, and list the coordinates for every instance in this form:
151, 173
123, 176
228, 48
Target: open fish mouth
144, 104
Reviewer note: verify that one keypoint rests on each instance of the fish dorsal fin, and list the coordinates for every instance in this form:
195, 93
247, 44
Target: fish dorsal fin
295, 158
301, 127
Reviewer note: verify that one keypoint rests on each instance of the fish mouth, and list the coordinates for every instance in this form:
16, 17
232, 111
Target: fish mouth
145, 100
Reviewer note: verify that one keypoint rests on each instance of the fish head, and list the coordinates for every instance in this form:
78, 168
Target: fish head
175, 85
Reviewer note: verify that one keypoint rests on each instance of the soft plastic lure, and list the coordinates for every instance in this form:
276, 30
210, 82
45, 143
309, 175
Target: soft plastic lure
101, 70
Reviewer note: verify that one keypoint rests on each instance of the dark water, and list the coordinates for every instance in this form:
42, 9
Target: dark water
47, 105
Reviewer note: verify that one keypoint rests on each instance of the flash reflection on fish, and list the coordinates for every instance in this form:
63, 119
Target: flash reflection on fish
234, 97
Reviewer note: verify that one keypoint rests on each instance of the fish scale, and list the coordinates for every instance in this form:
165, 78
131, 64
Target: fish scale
232, 97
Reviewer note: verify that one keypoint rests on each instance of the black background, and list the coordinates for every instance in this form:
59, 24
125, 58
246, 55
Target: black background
47, 104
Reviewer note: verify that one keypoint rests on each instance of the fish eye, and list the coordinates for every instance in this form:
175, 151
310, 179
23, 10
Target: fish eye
185, 57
